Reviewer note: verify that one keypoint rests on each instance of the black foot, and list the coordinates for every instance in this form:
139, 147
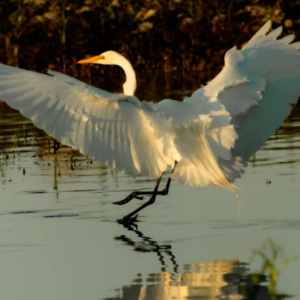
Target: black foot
128, 199
128, 220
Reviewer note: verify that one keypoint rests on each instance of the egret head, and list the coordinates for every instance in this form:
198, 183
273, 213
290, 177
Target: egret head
106, 58
114, 58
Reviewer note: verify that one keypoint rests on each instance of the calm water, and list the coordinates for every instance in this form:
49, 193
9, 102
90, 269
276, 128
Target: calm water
59, 238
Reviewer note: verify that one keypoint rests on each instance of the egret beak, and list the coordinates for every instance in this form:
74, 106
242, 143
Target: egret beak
89, 60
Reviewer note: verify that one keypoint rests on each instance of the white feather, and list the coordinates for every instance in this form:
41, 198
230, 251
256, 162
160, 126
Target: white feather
287, 39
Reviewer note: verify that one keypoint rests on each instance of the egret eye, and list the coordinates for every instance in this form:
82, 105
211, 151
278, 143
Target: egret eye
102, 57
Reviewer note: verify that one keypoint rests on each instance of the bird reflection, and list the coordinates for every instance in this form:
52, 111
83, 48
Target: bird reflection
147, 244
224, 279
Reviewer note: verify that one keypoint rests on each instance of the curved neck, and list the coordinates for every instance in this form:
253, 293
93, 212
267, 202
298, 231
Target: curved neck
129, 86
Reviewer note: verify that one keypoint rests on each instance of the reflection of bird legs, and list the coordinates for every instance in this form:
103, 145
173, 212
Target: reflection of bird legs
149, 246
128, 218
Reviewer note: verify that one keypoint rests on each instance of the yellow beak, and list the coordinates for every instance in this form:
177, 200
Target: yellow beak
89, 60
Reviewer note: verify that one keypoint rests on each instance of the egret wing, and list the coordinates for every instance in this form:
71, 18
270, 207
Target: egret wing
257, 87
111, 128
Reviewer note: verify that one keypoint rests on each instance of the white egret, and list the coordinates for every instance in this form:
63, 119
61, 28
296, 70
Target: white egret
211, 134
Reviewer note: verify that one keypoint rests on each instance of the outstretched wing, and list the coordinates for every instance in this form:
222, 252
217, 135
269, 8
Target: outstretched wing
111, 128
257, 87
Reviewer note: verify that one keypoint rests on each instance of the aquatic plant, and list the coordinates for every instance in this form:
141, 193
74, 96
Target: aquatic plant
273, 262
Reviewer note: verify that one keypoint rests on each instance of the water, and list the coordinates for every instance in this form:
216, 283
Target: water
59, 238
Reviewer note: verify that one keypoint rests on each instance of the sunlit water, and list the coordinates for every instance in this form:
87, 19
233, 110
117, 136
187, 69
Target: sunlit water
59, 238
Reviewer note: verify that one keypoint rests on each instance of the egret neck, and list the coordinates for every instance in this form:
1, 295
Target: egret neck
129, 85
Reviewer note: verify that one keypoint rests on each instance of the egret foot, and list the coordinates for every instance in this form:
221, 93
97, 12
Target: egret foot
128, 220
132, 217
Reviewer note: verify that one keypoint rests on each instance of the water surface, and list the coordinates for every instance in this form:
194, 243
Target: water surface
59, 238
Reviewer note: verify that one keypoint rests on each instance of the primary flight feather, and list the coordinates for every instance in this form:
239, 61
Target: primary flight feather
211, 134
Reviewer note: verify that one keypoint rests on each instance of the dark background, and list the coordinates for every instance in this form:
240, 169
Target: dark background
157, 36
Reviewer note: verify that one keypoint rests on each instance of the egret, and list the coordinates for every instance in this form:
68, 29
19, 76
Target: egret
208, 137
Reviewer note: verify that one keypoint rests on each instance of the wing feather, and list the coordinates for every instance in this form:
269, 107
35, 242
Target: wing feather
261, 32
287, 39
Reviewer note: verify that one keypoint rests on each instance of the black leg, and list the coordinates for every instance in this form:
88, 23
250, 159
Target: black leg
165, 191
128, 218
135, 195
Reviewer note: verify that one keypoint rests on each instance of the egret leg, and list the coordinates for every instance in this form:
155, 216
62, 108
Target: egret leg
128, 219
137, 195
